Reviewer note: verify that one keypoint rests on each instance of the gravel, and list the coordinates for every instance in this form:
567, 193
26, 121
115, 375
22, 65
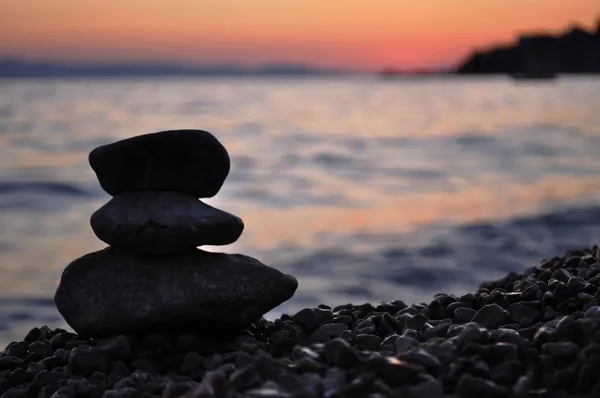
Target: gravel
530, 334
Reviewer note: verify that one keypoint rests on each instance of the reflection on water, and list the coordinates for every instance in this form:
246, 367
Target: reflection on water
366, 190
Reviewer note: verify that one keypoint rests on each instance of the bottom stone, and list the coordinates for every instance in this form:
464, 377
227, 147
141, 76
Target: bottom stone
110, 291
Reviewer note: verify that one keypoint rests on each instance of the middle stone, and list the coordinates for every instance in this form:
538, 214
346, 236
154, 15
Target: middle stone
162, 222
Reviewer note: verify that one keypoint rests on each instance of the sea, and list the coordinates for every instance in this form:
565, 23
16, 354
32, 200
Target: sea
364, 189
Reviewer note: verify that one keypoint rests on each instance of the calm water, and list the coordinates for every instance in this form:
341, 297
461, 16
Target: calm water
365, 190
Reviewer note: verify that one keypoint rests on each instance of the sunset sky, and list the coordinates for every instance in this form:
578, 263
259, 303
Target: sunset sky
356, 34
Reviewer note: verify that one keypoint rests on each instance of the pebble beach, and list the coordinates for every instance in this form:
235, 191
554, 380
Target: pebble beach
535, 333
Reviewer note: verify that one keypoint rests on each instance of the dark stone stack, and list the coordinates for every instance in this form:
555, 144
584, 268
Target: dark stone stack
152, 277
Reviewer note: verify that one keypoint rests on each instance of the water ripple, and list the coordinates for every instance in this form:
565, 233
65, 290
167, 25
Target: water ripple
366, 190
41, 187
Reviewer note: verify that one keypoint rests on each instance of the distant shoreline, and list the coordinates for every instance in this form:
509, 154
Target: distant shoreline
402, 77
14, 68
540, 55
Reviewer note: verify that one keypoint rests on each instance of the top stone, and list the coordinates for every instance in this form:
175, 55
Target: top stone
191, 161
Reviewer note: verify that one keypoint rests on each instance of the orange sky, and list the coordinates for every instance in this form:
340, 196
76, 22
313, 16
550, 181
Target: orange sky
359, 34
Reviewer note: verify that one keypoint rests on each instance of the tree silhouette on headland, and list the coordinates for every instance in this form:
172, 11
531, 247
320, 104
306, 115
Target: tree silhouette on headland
576, 51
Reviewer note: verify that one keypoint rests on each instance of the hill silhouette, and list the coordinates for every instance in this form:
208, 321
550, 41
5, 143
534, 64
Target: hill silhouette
576, 51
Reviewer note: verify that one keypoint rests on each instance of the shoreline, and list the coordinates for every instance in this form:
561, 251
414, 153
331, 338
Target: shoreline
529, 334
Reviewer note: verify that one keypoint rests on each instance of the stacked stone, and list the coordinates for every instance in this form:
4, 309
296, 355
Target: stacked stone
153, 277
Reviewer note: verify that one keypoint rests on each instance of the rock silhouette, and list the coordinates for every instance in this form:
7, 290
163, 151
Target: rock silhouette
153, 277
162, 222
192, 161
110, 291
